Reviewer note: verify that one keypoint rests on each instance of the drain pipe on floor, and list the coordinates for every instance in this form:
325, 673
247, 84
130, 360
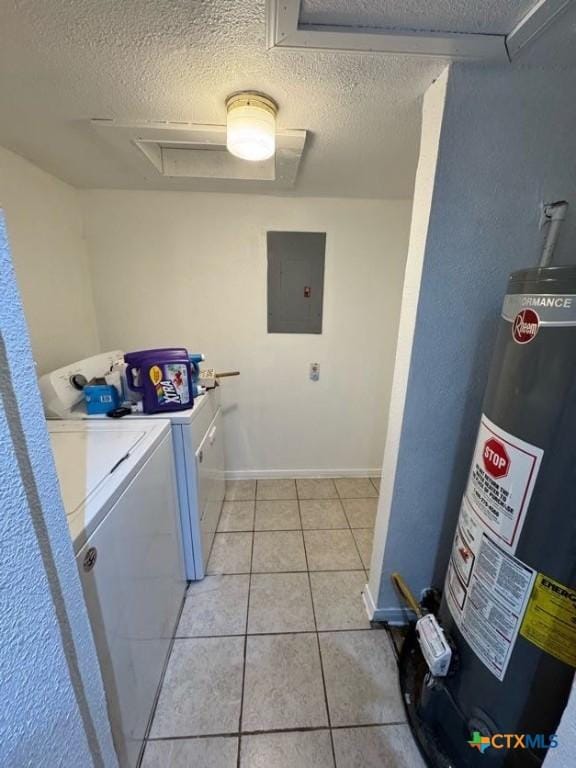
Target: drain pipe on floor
553, 214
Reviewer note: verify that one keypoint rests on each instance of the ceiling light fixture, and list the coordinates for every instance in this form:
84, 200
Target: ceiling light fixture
251, 126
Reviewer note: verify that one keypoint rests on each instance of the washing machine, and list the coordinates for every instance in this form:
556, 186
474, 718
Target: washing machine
118, 485
197, 443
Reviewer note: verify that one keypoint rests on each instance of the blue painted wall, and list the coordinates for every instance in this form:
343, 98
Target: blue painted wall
508, 142
52, 706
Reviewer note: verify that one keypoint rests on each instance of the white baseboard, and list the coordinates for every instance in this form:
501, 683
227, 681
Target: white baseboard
369, 603
279, 474
395, 617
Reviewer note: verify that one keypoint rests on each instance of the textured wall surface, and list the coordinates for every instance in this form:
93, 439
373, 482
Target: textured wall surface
52, 707
45, 227
507, 143
191, 270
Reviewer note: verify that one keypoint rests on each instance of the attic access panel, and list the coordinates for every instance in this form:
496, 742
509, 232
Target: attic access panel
489, 17
183, 151
295, 281
491, 30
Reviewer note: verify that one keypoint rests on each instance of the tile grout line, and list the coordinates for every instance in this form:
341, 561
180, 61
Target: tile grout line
293, 530
356, 545
262, 573
239, 745
395, 649
275, 634
326, 704
354, 538
158, 693
302, 729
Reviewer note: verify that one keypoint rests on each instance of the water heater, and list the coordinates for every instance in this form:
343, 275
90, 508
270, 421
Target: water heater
509, 599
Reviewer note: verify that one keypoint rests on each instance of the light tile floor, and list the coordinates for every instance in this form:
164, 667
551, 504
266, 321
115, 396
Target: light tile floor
275, 664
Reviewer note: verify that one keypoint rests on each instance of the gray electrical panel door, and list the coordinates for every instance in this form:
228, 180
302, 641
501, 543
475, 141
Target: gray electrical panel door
295, 281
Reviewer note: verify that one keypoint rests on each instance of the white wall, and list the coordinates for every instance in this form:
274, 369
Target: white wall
190, 269
49, 252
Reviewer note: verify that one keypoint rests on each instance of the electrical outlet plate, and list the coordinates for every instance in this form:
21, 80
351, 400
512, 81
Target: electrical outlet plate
314, 371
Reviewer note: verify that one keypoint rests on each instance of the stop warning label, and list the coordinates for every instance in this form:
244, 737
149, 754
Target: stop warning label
550, 619
495, 458
487, 588
502, 476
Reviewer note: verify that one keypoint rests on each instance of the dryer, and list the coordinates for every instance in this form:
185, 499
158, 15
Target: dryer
118, 486
198, 443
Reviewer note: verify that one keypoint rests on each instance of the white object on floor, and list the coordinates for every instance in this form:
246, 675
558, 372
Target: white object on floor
117, 483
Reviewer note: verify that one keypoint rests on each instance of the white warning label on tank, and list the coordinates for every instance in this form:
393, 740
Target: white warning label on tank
502, 476
489, 609
466, 542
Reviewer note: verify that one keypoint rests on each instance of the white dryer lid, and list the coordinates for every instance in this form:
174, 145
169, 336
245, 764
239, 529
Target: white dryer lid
85, 458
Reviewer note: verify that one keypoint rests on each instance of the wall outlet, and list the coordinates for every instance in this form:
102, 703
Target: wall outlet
314, 371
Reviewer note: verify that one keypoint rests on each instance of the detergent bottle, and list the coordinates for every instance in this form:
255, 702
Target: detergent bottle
163, 378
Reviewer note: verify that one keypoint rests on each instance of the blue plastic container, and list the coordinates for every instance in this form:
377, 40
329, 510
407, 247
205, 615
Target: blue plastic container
101, 398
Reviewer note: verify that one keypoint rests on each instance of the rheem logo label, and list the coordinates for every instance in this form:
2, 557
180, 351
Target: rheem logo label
525, 326
496, 459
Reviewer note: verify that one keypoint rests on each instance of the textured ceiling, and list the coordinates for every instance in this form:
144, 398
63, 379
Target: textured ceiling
63, 62
485, 16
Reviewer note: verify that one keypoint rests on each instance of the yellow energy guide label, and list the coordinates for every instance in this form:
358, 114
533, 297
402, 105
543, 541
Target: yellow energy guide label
550, 619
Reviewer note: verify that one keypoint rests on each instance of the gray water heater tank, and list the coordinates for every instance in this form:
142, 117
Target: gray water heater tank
509, 600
